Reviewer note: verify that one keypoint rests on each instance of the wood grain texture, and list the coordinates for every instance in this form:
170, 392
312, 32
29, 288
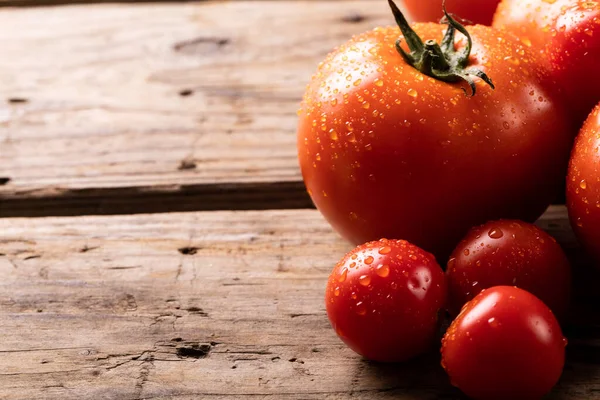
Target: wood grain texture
215, 305
106, 105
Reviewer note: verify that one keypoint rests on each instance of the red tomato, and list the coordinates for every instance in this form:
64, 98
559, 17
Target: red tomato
388, 151
383, 299
510, 253
583, 185
505, 344
567, 32
474, 11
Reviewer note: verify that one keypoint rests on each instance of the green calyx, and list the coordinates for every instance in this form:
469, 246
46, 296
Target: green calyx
441, 62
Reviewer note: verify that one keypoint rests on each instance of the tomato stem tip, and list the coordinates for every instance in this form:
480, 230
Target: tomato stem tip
442, 62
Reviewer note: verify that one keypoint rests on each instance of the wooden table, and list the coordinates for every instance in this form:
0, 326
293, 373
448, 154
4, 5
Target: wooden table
157, 241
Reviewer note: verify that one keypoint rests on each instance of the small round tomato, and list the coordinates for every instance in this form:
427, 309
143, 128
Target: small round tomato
505, 344
583, 186
511, 253
474, 11
383, 300
390, 145
567, 34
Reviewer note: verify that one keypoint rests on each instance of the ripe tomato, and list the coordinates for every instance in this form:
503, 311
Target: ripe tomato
383, 298
512, 253
505, 344
583, 185
567, 32
475, 11
388, 151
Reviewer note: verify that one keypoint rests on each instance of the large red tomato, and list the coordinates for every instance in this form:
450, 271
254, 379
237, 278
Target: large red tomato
389, 148
475, 11
511, 253
583, 185
383, 300
567, 32
505, 344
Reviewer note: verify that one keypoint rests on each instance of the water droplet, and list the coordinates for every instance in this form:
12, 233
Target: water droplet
357, 82
579, 222
369, 260
337, 291
366, 105
495, 233
353, 216
343, 275
378, 82
475, 283
354, 296
333, 134
565, 341
493, 322
506, 125
412, 257
360, 308
383, 270
385, 250
364, 280
318, 157
583, 184
333, 102
413, 93
466, 252
451, 263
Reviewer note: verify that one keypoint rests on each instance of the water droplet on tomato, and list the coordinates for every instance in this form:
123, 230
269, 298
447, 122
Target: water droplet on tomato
493, 322
361, 309
364, 280
343, 275
466, 252
383, 270
565, 341
336, 292
369, 260
495, 233
385, 250
353, 295
413, 93
583, 184
357, 82
378, 82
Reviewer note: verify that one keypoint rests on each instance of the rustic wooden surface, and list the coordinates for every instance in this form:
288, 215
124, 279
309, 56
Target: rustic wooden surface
196, 305
160, 107
172, 103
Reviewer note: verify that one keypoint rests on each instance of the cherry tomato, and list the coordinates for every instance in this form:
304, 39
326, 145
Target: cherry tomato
474, 11
567, 33
388, 151
383, 299
505, 344
583, 185
512, 253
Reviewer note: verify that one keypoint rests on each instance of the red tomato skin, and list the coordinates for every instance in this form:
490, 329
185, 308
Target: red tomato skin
583, 185
509, 253
383, 300
394, 153
505, 344
567, 33
474, 11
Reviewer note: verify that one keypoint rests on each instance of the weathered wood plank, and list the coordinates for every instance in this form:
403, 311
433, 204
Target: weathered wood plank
213, 305
104, 105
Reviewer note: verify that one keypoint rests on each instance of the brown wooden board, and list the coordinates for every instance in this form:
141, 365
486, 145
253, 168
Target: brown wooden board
201, 305
121, 108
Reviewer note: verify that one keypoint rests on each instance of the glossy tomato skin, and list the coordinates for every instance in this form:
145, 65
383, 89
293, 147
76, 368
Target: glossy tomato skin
513, 253
583, 185
567, 33
383, 299
475, 11
505, 344
386, 151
